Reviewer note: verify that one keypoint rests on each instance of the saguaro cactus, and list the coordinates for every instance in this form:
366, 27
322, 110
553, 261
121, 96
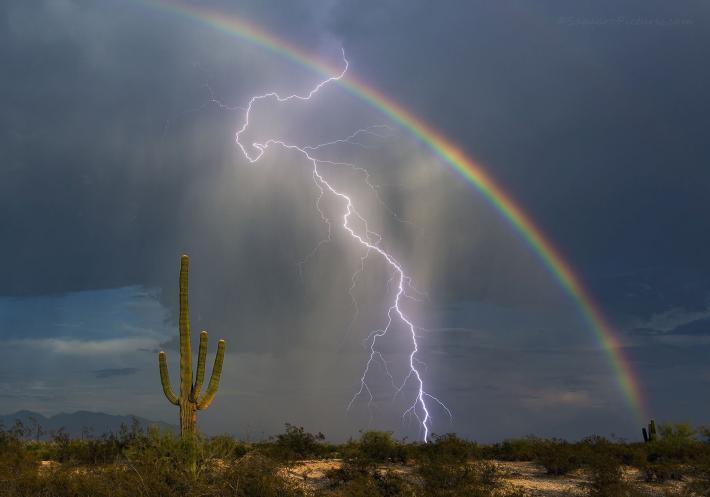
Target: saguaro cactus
189, 399
651, 434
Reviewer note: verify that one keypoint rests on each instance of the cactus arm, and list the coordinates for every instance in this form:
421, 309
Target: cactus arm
201, 360
165, 379
184, 325
214, 379
652, 434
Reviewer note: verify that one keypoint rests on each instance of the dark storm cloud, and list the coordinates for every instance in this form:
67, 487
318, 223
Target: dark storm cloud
111, 372
104, 178
596, 127
91, 166
114, 163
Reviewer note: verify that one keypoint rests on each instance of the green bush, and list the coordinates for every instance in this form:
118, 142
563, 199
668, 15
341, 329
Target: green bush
356, 481
663, 470
164, 455
374, 448
255, 475
607, 479
681, 433
456, 479
225, 447
448, 447
676, 450
380, 447
356, 486
295, 443
360, 475
700, 486
515, 449
444, 470
558, 458
18, 468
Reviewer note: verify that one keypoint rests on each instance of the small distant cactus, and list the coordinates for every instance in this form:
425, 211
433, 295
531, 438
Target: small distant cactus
650, 435
189, 399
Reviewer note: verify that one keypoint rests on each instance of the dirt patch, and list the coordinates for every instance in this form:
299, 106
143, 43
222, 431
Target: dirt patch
532, 478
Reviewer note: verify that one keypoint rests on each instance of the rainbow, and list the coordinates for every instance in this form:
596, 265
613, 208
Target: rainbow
457, 159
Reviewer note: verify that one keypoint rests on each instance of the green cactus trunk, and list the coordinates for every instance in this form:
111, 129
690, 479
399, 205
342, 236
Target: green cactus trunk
189, 399
650, 434
188, 418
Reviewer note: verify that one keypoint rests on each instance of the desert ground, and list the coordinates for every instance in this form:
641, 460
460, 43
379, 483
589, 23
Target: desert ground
527, 476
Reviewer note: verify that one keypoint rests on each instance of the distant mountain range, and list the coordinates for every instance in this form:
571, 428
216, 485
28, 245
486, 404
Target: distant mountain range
77, 424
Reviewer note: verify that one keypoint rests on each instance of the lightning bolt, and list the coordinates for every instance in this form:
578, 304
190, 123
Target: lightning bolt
356, 226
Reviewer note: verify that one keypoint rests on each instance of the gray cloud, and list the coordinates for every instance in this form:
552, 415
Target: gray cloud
699, 327
675, 322
111, 372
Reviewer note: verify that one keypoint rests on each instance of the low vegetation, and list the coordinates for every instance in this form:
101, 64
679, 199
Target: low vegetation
137, 462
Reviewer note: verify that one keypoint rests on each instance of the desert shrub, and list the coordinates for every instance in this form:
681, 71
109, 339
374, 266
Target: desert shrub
360, 473
164, 455
591, 448
700, 485
380, 447
357, 481
224, 447
14, 455
294, 443
373, 448
677, 443
390, 484
91, 482
62, 447
255, 475
18, 468
349, 485
669, 457
631, 455
350, 470
103, 450
446, 477
663, 470
515, 449
558, 457
607, 479
682, 433
448, 447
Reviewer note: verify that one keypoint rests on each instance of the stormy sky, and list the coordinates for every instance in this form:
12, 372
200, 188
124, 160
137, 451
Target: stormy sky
117, 155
